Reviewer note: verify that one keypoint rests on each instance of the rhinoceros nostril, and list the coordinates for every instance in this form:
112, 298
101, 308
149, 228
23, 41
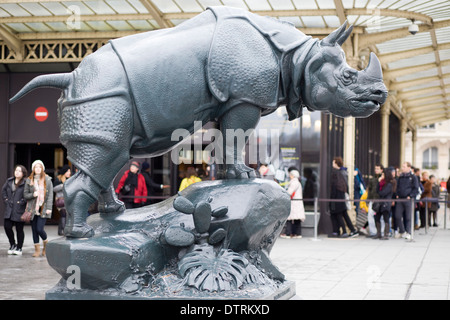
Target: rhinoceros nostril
378, 92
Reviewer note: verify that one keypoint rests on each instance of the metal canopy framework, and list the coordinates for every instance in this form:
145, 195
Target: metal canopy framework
416, 67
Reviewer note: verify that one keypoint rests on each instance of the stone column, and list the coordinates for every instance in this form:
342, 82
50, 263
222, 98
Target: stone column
403, 127
349, 159
385, 112
413, 147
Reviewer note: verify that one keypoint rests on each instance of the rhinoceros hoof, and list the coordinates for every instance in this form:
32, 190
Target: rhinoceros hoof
116, 207
82, 230
240, 171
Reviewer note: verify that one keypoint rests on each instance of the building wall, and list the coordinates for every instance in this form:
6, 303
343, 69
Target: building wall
18, 124
438, 137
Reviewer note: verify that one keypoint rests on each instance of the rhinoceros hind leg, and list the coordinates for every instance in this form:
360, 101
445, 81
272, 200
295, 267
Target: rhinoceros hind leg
244, 116
109, 203
80, 192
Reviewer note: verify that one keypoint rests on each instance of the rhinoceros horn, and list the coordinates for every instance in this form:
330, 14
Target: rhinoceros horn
373, 69
338, 36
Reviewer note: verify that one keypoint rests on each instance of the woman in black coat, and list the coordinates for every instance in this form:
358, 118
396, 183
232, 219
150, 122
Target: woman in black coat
12, 194
385, 189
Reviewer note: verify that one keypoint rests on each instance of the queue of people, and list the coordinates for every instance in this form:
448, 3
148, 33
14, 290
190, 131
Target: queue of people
398, 187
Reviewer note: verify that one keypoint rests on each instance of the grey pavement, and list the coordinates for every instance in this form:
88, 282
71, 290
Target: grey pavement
345, 269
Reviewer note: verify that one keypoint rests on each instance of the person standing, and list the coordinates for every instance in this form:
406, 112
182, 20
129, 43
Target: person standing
297, 214
39, 195
150, 184
191, 178
132, 187
12, 195
385, 189
64, 174
338, 190
372, 194
434, 205
407, 188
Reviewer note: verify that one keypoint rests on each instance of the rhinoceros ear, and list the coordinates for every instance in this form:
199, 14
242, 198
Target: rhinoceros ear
338, 36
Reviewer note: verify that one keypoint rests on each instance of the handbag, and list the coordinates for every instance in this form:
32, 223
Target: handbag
26, 216
59, 202
376, 206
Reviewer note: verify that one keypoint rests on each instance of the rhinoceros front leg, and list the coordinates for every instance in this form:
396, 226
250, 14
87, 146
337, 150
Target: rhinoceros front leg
234, 126
80, 191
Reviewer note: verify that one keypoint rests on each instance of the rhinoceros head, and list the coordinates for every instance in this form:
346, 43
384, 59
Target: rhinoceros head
331, 85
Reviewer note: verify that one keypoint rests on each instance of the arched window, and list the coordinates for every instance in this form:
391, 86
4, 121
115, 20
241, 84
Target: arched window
430, 158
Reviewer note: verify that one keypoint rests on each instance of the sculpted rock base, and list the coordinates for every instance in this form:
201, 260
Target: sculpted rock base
216, 245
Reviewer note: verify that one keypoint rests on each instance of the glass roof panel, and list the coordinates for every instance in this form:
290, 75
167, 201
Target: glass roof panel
56, 8
19, 27
35, 9
423, 85
420, 40
79, 7
99, 7
302, 4
83, 27
166, 6
141, 24
332, 21
58, 26
14, 10
178, 21
360, 3
373, 4
443, 35
387, 3
189, 5
400, 4
445, 70
235, 3
3, 13
294, 20
209, 3
413, 61
121, 6
99, 25
258, 5
417, 75
326, 4
444, 54
348, 4
38, 27
120, 25
282, 4
138, 6
313, 22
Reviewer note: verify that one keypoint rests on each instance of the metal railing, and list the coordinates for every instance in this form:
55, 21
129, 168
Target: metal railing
413, 209
317, 200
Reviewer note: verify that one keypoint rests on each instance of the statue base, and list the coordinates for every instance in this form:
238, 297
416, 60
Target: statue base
284, 291
212, 241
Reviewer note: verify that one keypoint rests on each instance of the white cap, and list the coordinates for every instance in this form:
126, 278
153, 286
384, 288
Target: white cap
37, 162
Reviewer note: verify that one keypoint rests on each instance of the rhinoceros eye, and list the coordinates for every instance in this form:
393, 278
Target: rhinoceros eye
349, 76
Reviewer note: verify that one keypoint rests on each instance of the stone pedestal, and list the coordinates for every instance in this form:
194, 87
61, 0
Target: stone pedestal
129, 256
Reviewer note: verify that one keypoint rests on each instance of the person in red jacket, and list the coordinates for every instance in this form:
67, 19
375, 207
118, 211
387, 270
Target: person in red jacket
132, 187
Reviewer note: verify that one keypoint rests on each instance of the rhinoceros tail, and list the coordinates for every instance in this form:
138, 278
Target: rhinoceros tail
58, 81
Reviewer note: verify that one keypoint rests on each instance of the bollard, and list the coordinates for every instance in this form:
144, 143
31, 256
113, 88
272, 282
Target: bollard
316, 200
412, 219
445, 211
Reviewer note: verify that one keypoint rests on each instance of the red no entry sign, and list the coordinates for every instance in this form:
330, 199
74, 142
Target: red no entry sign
41, 114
